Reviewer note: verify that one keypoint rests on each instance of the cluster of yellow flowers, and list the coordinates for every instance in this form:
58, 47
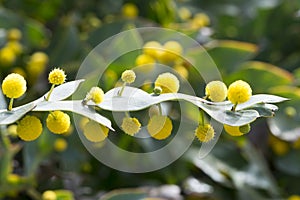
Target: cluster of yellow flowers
9, 55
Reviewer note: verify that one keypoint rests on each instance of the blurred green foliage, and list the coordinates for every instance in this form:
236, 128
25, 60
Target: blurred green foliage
255, 40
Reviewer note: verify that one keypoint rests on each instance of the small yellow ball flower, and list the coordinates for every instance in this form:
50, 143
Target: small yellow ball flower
128, 76
83, 121
184, 13
216, 91
182, 71
160, 127
200, 20
278, 146
29, 128
168, 82
153, 49
237, 130
239, 92
15, 46
205, 133
130, 10
49, 195
131, 126
294, 197
14, 34
95, 94
60, 145
14, 85
290, 111
39, 58
172, 50
146, 60
57, 76
7, 56
95, 132
58, 122
12, 130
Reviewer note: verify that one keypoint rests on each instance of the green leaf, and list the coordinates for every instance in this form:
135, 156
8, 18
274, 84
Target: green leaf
126, 194
75, 107
289, 163
9, 117
265, 110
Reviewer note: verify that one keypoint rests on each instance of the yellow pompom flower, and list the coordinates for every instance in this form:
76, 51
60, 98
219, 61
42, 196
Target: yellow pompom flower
128, 76
58, 122
60, 145
95, 132
130, 10
95, 94
216, 91
237, 130
294, 197
160, 127
14, 85
205, 133
49, 195
130, 125
7, 56
14, 34
146, 60
239, 92
29, 128
171, 51
153, 49
57, 76
279, 147
168, 82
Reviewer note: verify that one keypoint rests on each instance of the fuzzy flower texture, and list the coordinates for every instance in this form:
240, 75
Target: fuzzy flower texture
131, 126
57, 76
128, 76
239, 92
58, 122
95, 94
14, 85
168, 82
205, 133
216, 91
29, 128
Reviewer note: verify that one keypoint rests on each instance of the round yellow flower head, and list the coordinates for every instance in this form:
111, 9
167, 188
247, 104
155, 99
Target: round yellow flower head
58, 122
95, 132
60, 145
7, 56
128, 76
130, 10
184, 13
168, 82
200, 20
153, 49
14, 85
145, 59
131, 126
49, 195
160, 127
14, 34
237, 130
294, 197
95, 94
205, 133
29, 128
16, 47
182, 71
172, 50
239, 92
290, 111
39, 58
216, 91
57, 76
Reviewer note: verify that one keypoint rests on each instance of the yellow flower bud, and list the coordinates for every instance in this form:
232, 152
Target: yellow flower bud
205, 133
7, 56
160, 127
57, 76
49, 195
95, 132
95, 94
131, 126
239, 92
14, 34
216, 91
237, 130
128, 76
60, 145
29, 128
58, 122
14, 85
168, 82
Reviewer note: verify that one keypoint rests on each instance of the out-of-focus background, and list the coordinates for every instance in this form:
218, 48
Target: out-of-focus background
256, 40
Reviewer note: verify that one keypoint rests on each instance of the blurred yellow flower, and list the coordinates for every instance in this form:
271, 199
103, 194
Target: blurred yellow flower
15, 46
128, 76
182, 71
95, 94
200, 20
95, 132
60, 145
171, 51
145, 60
160, 127
168, 82
29, 128
216, 91
49, 195
14, 85
205, 133
58, 122
294, 197
184, 13
130, 125
237, 130
278, 146
153, 49
14, 34
7, 56
130, 10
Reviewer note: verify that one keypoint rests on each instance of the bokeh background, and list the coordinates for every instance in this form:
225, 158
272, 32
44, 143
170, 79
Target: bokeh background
256, 40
